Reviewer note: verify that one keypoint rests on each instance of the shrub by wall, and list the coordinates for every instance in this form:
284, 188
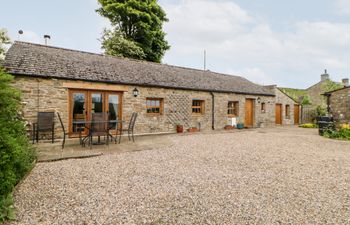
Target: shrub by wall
16, 153
342, 133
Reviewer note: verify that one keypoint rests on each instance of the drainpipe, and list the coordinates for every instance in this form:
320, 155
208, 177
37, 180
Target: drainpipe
38, 95
212, 110
328, 103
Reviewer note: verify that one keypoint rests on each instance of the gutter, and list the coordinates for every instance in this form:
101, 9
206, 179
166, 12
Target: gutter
212, 111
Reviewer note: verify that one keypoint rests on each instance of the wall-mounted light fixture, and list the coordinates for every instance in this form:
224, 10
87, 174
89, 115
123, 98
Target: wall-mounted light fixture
258, 99
135, 92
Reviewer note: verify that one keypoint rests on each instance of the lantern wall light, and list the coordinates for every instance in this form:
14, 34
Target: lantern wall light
135, 92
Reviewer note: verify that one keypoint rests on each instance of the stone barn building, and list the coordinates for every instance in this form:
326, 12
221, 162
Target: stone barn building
339, 104
77, 84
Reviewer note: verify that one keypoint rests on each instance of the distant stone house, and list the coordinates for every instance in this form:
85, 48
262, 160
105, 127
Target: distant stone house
77, 84
339, 104
314, 93
313, 97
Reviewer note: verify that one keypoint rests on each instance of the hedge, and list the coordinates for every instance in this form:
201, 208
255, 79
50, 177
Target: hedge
16, 153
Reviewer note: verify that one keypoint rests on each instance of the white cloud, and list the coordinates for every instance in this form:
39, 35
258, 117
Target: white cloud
239, 43
343, 6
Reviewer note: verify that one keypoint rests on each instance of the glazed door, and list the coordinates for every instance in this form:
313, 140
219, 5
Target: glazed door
113, 106
84, 103
296, 114
249, 112
78, 110
278, 114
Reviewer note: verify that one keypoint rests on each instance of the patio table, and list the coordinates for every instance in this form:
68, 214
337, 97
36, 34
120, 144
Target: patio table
87, 124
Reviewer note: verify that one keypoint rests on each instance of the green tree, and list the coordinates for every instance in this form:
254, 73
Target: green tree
16, 153
115, 44
138, 23
4, 40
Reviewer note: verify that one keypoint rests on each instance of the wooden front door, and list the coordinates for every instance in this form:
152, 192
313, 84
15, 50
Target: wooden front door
249, 112
278, 114
296, 114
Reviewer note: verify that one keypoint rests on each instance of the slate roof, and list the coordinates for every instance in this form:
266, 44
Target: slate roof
36, 60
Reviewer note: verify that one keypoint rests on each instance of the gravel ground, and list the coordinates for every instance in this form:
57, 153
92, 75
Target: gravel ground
264, 176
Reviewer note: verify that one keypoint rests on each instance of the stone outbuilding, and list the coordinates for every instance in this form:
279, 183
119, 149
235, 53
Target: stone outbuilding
339, 104
287, 110
77, 84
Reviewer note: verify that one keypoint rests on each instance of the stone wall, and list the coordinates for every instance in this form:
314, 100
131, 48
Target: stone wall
52, 95
260, 118
282, 98
340, 105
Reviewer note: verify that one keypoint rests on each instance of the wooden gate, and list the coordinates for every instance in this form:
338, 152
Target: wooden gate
296, 114
249, 112
307, 114
278, 114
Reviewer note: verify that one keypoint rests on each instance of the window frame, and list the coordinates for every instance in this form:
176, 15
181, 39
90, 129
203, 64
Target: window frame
287, 111
263, 107
235, 108
161, 106
200, 107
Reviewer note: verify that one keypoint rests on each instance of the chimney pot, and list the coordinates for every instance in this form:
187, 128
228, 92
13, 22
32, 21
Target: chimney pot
325, 76
345, 82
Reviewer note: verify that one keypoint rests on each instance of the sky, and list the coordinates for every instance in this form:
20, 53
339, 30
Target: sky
288, 43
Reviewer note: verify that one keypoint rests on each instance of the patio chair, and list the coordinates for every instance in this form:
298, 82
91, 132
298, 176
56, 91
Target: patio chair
45, 123
65, 133
130, 128
98, 127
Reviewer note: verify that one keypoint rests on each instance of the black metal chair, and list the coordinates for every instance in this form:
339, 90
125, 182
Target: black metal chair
130, 128
45, 123
99, 127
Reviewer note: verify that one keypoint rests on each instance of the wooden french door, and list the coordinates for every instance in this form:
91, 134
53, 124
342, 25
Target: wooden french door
296, 114
249, 112
278, 114
82, 103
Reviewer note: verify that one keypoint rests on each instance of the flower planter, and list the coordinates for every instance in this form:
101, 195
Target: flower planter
229, 127
192, 129
179, 128
240, 126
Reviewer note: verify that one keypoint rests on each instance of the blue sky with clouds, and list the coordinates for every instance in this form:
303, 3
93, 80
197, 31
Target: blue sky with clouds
288, 43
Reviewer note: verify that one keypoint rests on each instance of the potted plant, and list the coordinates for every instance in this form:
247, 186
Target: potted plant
179, 128
192, 129
240, 126
229, 127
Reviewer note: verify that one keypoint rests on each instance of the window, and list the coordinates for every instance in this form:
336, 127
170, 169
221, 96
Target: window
197, 106
154, 106
287, 111
232, 109
263, 107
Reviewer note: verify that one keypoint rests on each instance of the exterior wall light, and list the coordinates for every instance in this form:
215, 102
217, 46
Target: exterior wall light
258, 99
135, 92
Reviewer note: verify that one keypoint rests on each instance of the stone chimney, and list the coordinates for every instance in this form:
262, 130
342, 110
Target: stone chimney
325, 76
345, 82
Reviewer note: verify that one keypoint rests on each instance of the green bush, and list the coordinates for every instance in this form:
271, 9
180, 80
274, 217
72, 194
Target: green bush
342, 134
308, 125
16, 153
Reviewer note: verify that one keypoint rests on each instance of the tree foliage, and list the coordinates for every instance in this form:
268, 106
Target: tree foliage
138, 23
115, 44
16, 154
4, 40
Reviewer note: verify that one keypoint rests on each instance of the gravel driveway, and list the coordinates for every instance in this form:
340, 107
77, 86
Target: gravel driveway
262, 176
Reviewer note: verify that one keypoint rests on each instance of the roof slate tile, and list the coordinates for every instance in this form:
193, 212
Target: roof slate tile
45, 61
